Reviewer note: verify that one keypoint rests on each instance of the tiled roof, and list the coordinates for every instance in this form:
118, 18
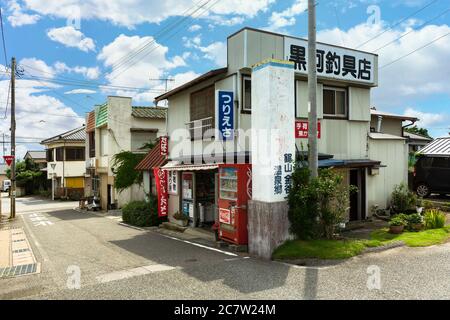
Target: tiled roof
153, 159
101, 115
438, 147
78, 134
149, 112
36, 155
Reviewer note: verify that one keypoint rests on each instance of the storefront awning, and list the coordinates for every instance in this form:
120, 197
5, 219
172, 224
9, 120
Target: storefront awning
178, 166
352, 163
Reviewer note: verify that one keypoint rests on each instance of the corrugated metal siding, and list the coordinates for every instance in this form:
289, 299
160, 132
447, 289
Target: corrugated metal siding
101, 115
438, 147
153, 159
90, 121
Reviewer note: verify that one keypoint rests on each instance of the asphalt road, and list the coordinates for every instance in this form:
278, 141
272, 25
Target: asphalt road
117, 262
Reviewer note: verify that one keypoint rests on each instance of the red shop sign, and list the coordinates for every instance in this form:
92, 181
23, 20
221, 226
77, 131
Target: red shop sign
161, 187
302, 127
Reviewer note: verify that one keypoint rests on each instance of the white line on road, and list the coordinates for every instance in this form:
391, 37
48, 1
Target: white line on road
125, 274
202, 246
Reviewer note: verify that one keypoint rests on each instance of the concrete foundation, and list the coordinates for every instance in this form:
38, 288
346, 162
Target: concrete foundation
268, 227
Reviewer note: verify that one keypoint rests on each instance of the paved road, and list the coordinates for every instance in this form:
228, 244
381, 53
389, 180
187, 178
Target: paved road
118, 262
33, 204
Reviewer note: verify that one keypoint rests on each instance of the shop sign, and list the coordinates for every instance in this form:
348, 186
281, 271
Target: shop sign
225, 216
161, 187
332, 62
302, 127
225, 112
164, 146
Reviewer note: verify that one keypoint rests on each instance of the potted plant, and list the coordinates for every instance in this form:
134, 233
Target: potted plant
180, 219
415, 222
397, 224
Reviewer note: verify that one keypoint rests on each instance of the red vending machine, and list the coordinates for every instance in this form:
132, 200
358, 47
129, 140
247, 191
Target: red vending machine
235, 189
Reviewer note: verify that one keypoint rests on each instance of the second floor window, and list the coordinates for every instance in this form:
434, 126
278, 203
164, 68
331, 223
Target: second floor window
247, 94
91, 136
60, 154
202, 112
50, 157
334, 102
75, 154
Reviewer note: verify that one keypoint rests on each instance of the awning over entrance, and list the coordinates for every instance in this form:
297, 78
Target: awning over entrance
152, 160
178, 166
358, 163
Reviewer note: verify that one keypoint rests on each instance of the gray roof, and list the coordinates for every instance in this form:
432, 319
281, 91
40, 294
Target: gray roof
36, 154
375, 112
149, 112
438, 147
414, 136
78, 134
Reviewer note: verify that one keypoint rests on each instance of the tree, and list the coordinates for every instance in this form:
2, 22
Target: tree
419, 131
28, 176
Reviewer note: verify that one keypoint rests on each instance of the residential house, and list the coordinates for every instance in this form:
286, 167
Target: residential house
65, 155
265, 91
38, 157
111, 128
416, 142
3, 176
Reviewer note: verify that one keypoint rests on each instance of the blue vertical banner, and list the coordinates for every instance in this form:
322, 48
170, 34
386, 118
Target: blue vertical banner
225, 120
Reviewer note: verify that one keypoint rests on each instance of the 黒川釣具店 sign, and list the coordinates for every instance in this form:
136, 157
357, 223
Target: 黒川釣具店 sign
225, 115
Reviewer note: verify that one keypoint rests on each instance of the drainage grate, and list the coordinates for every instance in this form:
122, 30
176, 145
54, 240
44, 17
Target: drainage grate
21, 250
20, 240
18, 270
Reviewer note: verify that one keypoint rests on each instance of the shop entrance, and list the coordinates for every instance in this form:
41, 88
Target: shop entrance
358, 199
199, 197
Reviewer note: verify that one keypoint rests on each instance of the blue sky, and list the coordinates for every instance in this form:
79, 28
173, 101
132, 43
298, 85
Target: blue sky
59, 42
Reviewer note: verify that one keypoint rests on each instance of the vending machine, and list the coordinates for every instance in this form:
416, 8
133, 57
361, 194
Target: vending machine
235, 189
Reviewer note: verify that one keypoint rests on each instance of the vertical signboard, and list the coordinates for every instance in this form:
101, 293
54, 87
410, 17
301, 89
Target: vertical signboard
164, 146
161, 187
225, 115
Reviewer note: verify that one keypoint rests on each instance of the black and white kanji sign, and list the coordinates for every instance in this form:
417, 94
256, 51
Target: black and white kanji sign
332, 62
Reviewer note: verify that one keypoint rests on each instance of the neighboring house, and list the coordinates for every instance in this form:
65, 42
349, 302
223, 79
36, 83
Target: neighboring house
346, 142
65, 155
38, 157
111, 128
3, 176
416, 141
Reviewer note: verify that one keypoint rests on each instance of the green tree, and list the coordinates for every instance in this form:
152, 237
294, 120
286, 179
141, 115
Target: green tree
28, 175
419, 131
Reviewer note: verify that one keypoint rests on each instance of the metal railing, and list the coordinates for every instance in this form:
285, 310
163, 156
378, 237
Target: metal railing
198, 128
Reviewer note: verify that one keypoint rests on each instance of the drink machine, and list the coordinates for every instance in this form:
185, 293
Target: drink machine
235, 189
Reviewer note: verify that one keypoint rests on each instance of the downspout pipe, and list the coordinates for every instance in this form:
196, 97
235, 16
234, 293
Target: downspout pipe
379, 123
408, 125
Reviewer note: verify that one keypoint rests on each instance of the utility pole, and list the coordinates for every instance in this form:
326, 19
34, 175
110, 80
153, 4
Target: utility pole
313, 157
13, 139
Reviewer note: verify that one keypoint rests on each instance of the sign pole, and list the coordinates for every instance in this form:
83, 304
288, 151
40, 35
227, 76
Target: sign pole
13, 139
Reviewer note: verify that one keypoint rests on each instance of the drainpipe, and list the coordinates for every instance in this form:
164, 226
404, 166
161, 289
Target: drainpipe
408, 125
380, 121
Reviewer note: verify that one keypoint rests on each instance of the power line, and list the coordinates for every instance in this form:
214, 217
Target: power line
405, 34
410, 53
3, 39
396, 24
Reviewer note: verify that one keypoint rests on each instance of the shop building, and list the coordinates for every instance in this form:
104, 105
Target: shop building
235, 132
111, 128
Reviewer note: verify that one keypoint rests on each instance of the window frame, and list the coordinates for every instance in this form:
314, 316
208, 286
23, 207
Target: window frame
91, 139
50, 155
171, 186
346, 106
59, 151
79, 151
243, 108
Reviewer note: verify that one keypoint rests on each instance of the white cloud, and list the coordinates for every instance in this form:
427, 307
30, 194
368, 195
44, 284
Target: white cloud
131, 13
193, 42
89, 73
280, 20
194, 28
70, 37
38, 114
80, 91
37, 68
17, 17
428, 119
216, 52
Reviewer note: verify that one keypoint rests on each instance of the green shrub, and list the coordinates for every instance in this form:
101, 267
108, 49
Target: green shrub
427, 204
142, 213
434, 219
414, 218
398, 220
402, 200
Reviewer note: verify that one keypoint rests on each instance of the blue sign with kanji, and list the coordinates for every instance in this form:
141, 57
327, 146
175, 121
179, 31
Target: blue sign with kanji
225, 121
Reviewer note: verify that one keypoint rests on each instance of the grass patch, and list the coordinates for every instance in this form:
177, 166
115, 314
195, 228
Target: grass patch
343, 249
323, 249
414, 239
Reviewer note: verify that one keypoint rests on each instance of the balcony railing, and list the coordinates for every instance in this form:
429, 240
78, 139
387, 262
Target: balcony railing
198, 128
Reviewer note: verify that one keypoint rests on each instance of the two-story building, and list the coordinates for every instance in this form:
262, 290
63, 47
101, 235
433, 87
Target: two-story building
111, 128
66, 162
38, 157
224, 116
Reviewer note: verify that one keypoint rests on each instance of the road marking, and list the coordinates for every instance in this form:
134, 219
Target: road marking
201, 246
135, 272
39, 220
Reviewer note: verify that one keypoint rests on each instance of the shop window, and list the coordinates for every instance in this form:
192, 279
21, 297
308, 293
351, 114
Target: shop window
75, 154
335, 102
60, 154
173, 182
50, 155
202, 112
247, 94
